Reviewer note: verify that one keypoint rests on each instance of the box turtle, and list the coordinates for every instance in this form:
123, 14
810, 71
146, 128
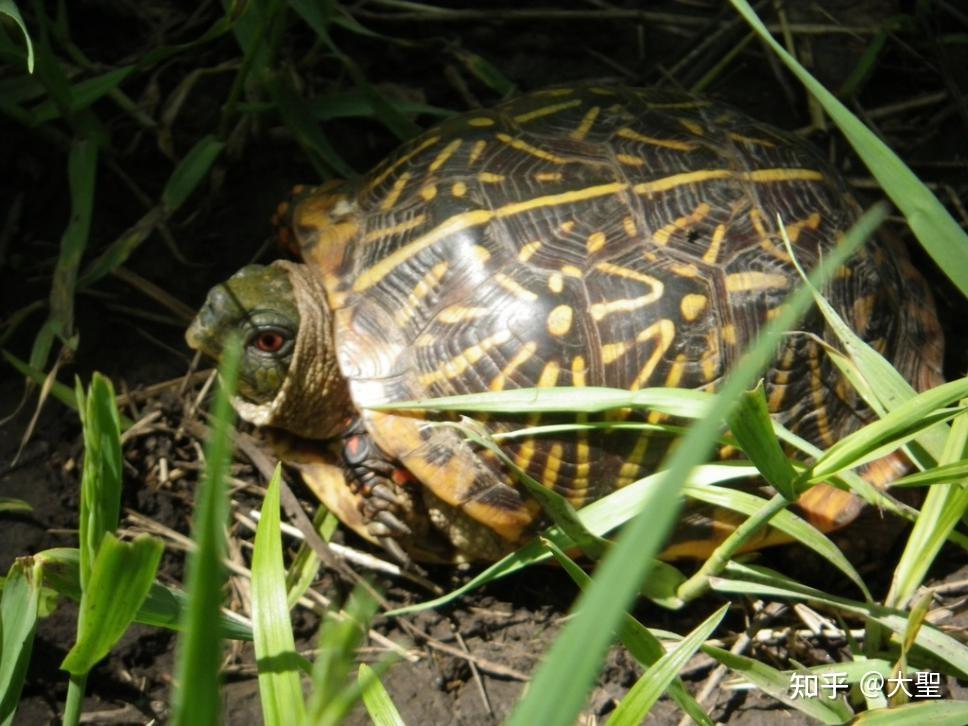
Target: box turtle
579, 236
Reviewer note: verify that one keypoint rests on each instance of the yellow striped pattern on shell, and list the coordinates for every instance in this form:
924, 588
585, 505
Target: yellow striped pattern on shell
592, 237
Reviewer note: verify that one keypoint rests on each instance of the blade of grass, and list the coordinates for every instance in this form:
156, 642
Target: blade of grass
278, 663
785, 521
102, 476
196, 695
9, 8
377, 701
944, 507
900, 425
752, 426
354, 104
81, 171
561, 683
163, 607
750, 580
554, 505
936, 713
191, 170
642, 696
599, 517
331, 698
10, 505
878, 382
868, 60
84, 94
486, 72
777, 684
318, 16
639, 640
98, 518
935, 228
698, 583
299, 118
680, 402
18, 623
116, 253
121, 576
955, 472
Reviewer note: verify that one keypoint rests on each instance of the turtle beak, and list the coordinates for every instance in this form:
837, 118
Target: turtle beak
205, 332
193, 336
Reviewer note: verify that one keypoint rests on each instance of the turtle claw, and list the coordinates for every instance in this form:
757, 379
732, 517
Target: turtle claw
384, 493
377, 480
390, 520
397, 552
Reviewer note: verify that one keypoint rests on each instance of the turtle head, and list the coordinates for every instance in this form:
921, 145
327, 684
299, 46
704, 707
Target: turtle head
257, 304
288, 376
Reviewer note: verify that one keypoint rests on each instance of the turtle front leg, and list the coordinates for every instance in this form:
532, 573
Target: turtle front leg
379, 483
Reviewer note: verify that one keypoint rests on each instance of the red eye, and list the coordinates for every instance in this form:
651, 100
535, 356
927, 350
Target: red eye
269, 342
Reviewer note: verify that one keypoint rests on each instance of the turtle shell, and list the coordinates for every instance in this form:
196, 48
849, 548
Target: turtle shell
594, 237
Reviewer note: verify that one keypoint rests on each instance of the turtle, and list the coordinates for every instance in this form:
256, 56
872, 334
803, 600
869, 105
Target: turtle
570, 237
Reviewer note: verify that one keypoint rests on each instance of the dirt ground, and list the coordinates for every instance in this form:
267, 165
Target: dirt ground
473, 665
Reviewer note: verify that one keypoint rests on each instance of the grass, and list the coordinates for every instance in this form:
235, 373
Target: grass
73, 103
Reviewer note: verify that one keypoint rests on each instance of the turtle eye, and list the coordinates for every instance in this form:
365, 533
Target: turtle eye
269, 341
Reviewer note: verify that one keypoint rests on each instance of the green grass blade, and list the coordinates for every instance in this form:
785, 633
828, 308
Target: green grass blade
102, 475
872, 375
331, 698
944, 507
81, 173
305, 565
486, 72
84, 94
120, 578
749, 580
867, 62
777, 684
900, 425
642, 696
376, 699
18, 623
319, 16
299, 118
190, 171
752, 426
639, 640
935, 228
10, 505
599, 517
785, 521
159, 54
554, 505
943, 473
196, 697
680, 402
43, 342
275, 648
936, 713
9, 8
118, 251
163, 607
353, 104
562, 681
